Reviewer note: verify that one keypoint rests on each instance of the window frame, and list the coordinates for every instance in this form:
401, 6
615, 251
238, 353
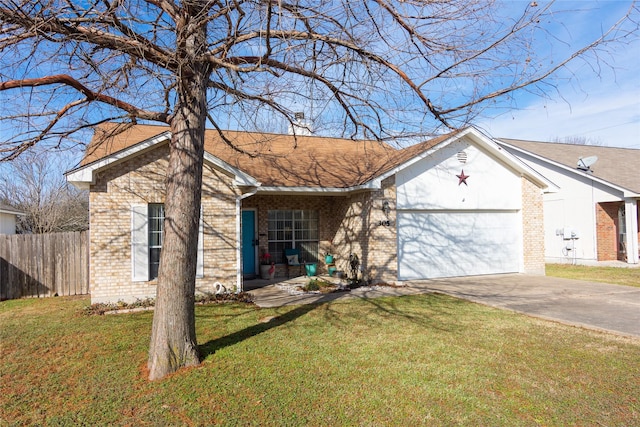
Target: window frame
155, 216
141, 240
293, 229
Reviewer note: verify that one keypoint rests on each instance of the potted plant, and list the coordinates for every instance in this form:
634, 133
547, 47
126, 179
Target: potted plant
267, 267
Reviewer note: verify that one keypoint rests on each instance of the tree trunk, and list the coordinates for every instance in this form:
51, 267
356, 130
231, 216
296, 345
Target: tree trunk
173, 336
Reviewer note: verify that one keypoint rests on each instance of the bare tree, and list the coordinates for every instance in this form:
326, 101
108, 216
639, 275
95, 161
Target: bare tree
35, 185
578, 140
375, 69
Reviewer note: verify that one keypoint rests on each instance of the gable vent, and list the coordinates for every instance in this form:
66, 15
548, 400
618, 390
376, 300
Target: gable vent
462, 157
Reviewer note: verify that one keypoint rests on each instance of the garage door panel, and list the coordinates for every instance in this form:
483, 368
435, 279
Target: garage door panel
457, 244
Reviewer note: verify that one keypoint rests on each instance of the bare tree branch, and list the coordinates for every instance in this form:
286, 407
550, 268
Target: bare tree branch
167, 6
91, 96
549, 72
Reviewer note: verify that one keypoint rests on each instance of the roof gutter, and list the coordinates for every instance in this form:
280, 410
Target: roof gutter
491, 146
372, 185
12, 212
625, 191
85, 176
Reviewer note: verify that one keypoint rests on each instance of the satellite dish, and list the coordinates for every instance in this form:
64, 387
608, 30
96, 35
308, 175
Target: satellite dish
585, 164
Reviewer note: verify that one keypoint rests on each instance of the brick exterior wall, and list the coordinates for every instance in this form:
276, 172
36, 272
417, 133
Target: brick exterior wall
350, 223
607, 231
141, 180
532, 228
330, 211
358, 231
347, 224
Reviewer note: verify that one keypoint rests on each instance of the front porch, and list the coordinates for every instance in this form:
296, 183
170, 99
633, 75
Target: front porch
617, 231
314, 225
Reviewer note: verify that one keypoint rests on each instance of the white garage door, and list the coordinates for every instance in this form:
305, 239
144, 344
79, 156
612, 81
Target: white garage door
432, 245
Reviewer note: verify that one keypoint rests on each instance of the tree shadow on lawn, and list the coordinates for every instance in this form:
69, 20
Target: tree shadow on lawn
388, 306
210, 347
438, 306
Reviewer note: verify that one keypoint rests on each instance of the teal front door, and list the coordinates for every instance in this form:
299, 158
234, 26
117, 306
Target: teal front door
248, 243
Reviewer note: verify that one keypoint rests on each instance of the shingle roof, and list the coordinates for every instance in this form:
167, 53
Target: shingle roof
618, 166
279, 160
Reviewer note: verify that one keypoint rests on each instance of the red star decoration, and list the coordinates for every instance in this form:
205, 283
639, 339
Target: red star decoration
462, 178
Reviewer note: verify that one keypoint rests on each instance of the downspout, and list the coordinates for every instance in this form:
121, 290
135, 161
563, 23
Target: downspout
239, 236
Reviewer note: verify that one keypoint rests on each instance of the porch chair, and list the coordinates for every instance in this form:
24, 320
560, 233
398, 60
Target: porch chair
292, 257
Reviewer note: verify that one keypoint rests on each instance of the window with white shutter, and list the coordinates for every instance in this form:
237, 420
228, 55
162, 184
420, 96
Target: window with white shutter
147, 237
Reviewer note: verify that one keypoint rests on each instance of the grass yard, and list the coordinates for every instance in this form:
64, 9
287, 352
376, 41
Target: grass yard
419, 360
615, 275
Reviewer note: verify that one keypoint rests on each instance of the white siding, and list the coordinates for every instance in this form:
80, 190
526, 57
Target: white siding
447, 228
447, 244
573, 207
432, 184
7, 223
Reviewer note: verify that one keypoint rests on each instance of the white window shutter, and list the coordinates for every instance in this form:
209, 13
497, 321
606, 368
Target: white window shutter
200, 258
139, 243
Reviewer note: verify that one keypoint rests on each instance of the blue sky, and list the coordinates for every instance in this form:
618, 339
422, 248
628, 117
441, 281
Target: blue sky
599, 100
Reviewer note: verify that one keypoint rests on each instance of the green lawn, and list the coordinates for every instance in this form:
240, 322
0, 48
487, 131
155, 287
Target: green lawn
616, 275
419, 360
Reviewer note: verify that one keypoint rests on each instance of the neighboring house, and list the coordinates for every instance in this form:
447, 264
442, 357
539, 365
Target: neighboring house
456, 205
594, 215
8, 219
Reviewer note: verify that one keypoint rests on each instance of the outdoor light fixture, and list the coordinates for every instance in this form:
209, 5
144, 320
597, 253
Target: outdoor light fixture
385, 208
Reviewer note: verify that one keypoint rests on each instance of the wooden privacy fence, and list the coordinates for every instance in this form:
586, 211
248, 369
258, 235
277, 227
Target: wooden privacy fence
43, 265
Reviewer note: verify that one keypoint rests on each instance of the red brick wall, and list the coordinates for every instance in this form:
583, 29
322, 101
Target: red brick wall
607, 230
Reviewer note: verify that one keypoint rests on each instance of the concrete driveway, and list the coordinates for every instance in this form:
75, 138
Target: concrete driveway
602, 306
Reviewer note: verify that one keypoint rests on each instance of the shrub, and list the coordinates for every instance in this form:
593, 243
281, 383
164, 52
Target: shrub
207, 298
311, 286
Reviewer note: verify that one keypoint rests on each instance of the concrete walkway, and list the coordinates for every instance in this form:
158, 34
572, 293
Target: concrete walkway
592, 305
273, 295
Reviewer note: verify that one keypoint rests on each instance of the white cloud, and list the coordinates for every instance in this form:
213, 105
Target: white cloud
612, 118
